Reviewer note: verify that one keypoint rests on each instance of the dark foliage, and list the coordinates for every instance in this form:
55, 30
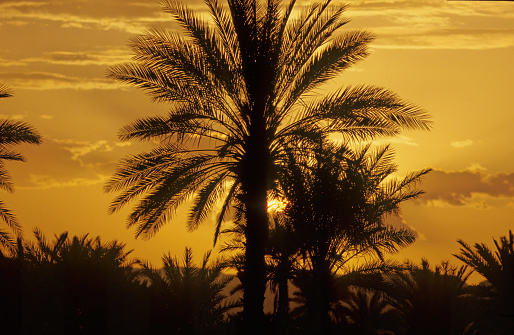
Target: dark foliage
12, 132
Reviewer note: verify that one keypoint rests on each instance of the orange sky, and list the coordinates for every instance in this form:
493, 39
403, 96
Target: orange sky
455, 59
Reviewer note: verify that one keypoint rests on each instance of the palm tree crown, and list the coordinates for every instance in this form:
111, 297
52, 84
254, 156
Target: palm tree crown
211, 77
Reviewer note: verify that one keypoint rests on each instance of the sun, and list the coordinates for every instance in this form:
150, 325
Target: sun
277, 204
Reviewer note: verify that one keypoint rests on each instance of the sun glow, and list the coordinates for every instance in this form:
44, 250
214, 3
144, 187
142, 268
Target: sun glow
276, 204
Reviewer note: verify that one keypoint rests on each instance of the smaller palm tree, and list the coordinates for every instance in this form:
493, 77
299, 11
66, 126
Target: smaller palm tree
495, 314
192, 300
11, 133
367, 312
431, 301
338, 199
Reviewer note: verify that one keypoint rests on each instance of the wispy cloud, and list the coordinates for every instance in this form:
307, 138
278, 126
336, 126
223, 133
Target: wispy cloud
71, 162
46, 182
55, 81
436, 24
127, 16
12, 116
82, 58
462, 144
10, 62
399, 139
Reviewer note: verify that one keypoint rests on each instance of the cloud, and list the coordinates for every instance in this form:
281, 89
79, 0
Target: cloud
69, 163
82, 58
399, 139
474, 187
55, 81
127, 16
462, 144
86, 153
47, 182
12, 116
398, 221
436, 24
10, 62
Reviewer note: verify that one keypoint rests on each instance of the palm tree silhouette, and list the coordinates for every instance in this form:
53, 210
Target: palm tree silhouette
367, 312
241, 92
338, 199
495, 313
193, 298
431, 301
11, 133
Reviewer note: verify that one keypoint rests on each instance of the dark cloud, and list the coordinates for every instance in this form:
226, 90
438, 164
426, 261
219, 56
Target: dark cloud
473, 186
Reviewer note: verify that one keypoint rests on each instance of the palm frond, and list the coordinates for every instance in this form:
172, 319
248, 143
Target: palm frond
206, 198
234, 189
5, 91
16, 132
10, 219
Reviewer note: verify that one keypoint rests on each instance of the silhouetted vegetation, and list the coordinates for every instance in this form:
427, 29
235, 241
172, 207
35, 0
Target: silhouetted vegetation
187, 299
81, 285
75, 285
430, 301
245, 128
494, 298
11, 133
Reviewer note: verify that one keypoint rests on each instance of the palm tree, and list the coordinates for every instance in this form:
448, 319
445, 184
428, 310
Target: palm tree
338, 199
241, 88
11, 133
431, 301
367, 312
495, 296
193, 298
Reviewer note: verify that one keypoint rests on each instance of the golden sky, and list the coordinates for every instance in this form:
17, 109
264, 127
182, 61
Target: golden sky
455, 59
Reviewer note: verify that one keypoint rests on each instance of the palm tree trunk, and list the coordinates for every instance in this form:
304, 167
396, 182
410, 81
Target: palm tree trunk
254, 268
320, 304
254, 183
283, 295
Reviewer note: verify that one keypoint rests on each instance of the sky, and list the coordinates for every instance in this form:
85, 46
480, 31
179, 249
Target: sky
453, 58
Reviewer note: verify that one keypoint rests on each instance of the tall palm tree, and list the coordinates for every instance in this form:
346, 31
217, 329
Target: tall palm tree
241, 88
495, 296
11, 133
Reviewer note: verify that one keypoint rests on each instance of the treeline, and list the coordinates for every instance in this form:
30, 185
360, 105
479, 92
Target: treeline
81, 285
